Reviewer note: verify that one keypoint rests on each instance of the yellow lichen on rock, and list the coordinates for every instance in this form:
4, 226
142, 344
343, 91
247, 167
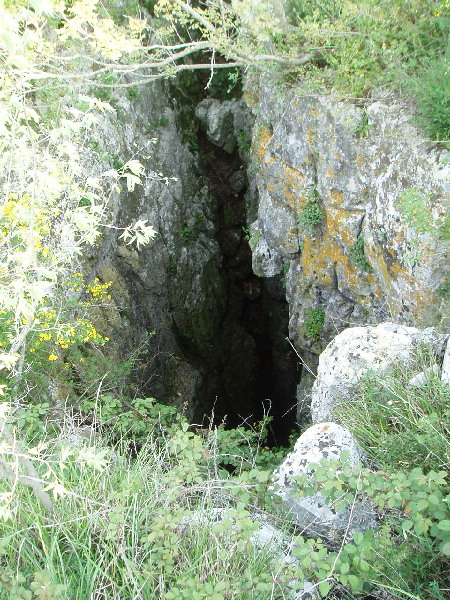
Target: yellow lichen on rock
322, 258
262, 140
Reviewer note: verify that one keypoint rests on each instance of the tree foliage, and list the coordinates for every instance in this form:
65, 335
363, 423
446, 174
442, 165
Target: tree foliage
52, 208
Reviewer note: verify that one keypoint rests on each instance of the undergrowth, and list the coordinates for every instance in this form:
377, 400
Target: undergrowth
177, 517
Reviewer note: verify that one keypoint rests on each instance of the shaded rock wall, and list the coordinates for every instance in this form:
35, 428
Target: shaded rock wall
159, 291
212, 334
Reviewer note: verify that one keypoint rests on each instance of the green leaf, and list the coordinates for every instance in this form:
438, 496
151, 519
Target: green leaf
407, 525
358, 538
355, 583
445, 548
444, 525
324, 587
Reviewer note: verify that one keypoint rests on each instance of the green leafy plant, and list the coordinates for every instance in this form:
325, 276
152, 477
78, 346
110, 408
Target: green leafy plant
416, 208
314, 322
412, 255
358, 257
133, 92
413, 516
444, 290
311, 214
189, 135
226, 84
430, 87
252, 236
362, 128
190, 233
244, 143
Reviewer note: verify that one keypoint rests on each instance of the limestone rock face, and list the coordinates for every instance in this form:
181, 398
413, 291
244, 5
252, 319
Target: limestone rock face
324, 440
357, 350
337, 186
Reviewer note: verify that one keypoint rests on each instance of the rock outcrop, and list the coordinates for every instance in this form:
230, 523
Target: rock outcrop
311, 151
312, 514
352, 214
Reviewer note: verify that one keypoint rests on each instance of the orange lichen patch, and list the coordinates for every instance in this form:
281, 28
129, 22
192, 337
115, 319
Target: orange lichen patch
330, 173
295, 104
387, 267
318, 257
262, 142
292, 186
360, 160
310, 135
337, 156
314, 111
336, 196
339, 225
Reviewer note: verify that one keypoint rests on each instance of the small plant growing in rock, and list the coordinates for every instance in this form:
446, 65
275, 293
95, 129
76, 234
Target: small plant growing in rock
415, 208
358, 257
190, 233
252, 237
362, 128
243, 142
444, 290
311, 213
189, 136
133, 92
412, 255
314, 322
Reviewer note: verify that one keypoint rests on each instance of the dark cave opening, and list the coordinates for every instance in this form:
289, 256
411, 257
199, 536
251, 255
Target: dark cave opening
253, 371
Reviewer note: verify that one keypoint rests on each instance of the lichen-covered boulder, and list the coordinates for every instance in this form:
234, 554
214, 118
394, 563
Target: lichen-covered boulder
358, 350
312, 513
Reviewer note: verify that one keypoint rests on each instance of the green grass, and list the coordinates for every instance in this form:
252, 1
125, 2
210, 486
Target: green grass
145, 526
123, 532
402, 426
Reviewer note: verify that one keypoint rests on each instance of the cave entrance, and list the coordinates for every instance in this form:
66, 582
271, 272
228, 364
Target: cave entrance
253, 370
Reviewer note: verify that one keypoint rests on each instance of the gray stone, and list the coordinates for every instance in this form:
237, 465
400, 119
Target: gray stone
445, 376
424, 378
312, 513
266, 262
222, 121
357, 350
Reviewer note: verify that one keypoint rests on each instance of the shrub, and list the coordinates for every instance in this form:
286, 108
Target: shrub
430, 87
311, 213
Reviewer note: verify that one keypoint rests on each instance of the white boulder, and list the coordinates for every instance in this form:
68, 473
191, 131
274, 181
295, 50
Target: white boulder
312, 513
357, 350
